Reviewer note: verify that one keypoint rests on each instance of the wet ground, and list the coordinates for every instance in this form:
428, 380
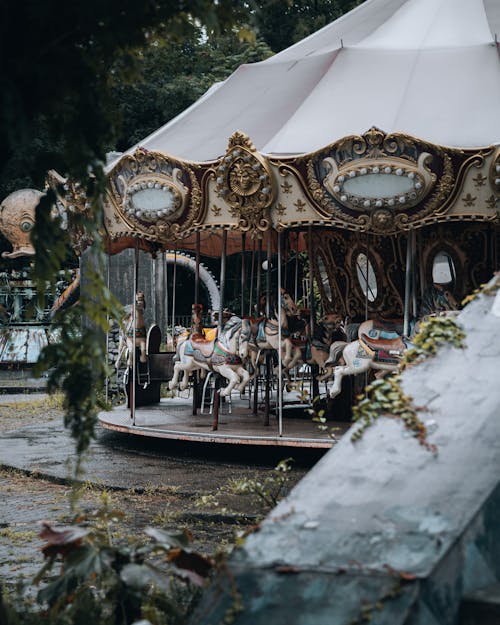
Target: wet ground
154, 482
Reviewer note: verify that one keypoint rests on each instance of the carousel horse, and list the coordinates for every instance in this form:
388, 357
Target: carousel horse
224, 354
126, 342
317, 350
265, 332
380, 344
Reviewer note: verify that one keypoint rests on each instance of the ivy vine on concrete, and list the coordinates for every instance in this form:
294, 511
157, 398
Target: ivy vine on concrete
385, 397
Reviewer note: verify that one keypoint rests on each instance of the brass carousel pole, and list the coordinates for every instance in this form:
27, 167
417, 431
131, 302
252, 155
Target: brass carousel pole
243, 273
267, 396
134, 321
314, 368
258, 313
196, 376
252, 274
174, 286
223, 258
280, 363
409, 254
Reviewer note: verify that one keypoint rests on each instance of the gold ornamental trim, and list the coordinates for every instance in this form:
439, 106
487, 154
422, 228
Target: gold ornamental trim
244, 181
155, 195
428, 178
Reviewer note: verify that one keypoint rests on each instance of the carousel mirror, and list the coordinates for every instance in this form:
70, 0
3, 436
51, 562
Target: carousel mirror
366, 277
443, 268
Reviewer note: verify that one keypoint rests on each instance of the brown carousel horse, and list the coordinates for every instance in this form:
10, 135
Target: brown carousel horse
264, 332
126, 342
379, 344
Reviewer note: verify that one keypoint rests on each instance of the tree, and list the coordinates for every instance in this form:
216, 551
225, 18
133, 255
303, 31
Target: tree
282, 23
58, 63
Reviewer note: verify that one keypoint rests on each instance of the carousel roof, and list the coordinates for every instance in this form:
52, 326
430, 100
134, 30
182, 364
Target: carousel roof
428, 68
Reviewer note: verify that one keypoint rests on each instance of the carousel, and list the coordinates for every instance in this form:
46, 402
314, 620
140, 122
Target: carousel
354, 180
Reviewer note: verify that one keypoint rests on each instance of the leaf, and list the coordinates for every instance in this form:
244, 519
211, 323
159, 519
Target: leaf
169, 539
141, 576
191, 562
61, 540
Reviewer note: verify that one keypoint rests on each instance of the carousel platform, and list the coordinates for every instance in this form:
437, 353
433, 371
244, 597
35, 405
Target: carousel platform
173, 419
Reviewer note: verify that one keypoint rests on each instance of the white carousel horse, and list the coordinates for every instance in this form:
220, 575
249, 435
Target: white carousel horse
224, 355
127, 336
380, 344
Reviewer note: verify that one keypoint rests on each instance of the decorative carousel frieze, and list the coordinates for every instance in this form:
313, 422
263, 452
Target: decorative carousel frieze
386, 183
244, 181
155, 195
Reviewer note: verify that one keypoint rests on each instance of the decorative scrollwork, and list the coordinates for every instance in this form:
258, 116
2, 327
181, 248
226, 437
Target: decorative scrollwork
495, 172
245, 182
155, 195
385, 183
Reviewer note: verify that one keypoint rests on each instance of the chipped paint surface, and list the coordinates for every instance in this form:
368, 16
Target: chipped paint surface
22, 344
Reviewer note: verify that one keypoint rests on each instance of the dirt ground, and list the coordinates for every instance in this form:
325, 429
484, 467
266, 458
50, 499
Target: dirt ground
214, 510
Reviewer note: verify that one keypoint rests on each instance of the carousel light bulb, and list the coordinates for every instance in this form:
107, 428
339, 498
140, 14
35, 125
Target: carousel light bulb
402, 199
378, 203
387, 170
336, 188
411, 175
376, 170
418, 185
366, 203
390, 201
352, 174
343, 198
265, 265
497, 181
399, 171
497, 168
341, 178
363, 171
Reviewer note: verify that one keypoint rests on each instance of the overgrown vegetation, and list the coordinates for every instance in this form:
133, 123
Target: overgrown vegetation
385, 397
108, 581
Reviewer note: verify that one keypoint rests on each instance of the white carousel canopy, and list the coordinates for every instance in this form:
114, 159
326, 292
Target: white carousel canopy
428, 68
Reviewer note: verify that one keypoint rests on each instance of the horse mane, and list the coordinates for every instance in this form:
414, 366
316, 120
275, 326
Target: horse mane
230, 328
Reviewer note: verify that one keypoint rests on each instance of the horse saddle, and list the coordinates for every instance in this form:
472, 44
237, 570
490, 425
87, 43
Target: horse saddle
383, 350
203, 345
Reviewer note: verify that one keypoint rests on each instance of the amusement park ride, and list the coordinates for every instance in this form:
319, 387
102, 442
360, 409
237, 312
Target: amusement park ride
391, 224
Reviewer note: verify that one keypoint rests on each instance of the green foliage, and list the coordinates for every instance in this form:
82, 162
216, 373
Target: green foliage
269, 490
108, 582
282, 23
170, 76
430, 336
386, 398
